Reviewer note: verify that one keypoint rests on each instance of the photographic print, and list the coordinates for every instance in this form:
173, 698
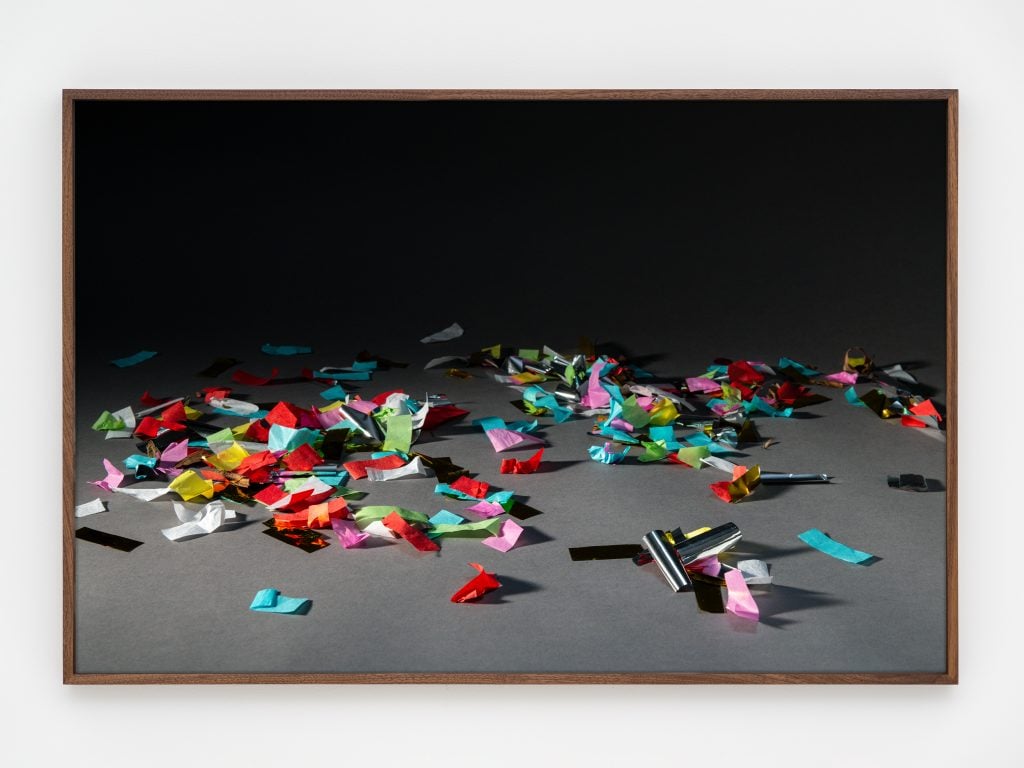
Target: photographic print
510, 386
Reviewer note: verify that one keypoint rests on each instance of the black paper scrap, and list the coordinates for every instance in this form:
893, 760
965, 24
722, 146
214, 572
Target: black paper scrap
333, 446
107, 539
605, 552
908, 482
445, 469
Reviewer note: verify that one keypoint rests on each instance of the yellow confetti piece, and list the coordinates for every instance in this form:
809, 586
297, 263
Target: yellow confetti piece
188, 485
229, 458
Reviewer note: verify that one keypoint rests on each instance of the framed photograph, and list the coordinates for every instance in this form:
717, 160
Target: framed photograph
510, 386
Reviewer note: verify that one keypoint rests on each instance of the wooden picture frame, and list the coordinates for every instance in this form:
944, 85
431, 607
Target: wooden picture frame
72, 424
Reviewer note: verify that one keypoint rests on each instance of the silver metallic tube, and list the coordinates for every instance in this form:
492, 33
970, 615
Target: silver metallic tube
703, 545
667, 560
782, 478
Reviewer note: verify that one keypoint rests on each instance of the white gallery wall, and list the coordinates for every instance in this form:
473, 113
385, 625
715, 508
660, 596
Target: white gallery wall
973, 46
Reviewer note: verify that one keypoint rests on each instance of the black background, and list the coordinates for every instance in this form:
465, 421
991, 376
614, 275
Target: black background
732, 228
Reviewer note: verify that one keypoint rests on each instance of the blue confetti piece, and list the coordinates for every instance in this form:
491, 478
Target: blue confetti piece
138, 357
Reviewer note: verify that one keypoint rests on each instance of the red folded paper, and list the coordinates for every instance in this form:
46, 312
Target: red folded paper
410, 533
358, 468
475, 488
439, 414
302, 459
476, 587
251, 379
517, 467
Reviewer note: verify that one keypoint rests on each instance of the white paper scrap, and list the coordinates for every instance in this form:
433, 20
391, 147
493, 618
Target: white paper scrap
453, 331
414, 468
206, 520
90, 508
755, 571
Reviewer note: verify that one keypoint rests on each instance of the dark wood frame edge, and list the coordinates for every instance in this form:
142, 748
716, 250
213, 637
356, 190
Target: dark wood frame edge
70, 96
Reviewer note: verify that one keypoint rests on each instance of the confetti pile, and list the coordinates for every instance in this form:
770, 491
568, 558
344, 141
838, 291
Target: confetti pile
295, 461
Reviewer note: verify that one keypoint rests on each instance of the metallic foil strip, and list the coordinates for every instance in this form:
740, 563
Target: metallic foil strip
793, 478
306, 540
364, 422
706, 544
708, 594
666, 559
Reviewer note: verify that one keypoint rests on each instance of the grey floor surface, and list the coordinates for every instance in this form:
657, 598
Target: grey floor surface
183, 606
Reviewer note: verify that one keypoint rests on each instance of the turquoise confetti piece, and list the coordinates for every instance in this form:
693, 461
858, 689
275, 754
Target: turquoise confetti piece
333, 480
853, 398
757, 404
287, 439
272, 601
617, 434
543, 399
349, 376
523, 426
640, 373
287, 349
334, 393
823, 543
369, 365
785, 362
344, 375
665, 434
138, 357
488, 423
498, 496
136, 460
248, 417
444, 517
599, 453
382, 454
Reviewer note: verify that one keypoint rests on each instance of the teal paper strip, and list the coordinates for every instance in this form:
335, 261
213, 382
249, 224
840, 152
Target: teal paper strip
287, 349
138, 357
272, 601
838, 550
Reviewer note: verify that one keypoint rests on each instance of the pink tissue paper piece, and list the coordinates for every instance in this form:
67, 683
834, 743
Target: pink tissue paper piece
487, 509
506, 538
348, 534
740, 602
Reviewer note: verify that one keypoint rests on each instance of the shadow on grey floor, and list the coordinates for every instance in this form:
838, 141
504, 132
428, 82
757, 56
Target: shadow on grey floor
765, 492
775, 601
748, 549
531, 536
553, 466
510, 587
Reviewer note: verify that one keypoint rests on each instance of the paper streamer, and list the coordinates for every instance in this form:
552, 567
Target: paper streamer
820, 541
